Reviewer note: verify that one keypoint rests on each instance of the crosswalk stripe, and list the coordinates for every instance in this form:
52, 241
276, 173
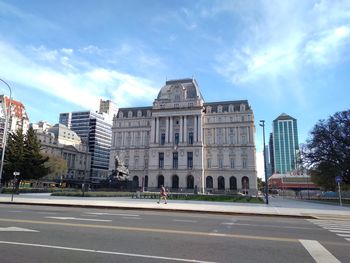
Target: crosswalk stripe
340, 228
318, 252
343, 235
339, 231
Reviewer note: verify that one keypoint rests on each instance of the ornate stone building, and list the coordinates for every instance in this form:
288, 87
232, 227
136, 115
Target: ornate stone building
185, 144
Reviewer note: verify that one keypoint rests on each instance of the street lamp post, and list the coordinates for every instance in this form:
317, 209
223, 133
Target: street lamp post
4, 138
262, 124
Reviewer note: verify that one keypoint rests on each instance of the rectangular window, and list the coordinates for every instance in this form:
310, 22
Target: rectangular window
189, 160
232, 161
221, 163
175, 160
161, 160
209, 163
244, 162
162, 139
176, 138
190, 138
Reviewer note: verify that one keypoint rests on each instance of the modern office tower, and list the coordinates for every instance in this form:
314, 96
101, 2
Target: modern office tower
285, 144
185, 144
97, 130
18, 118
268, 161
272, 158
109, 109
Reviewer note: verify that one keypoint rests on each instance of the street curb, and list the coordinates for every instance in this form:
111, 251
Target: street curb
166, 210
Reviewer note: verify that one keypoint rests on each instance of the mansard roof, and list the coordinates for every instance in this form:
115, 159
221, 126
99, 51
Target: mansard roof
187, 89
225, 105
134, 110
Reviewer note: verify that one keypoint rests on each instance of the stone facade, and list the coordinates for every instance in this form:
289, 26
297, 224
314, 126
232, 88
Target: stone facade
65, 143
185, 144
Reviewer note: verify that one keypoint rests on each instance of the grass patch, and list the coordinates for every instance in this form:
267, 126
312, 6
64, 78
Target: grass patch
172, 196
94, 194
9, 190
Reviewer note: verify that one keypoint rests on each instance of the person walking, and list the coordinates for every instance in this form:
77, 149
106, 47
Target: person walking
162, 194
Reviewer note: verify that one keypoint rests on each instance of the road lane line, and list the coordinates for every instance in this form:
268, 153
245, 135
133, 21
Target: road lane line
111, 214
104, 252
318, 252
347, 239
185, 221
148, 230
16, 229
132, 218
78, 219
47, 213
15, 211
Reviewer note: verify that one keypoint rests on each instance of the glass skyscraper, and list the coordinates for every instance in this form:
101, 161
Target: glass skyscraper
285, 144
94, 128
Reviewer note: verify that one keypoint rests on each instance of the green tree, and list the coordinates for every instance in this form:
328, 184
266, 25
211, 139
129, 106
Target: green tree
35, 161
56, 166
14, 156
23, 156
327, 152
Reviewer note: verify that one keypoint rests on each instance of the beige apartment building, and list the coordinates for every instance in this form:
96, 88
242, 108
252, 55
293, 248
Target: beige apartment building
186, 144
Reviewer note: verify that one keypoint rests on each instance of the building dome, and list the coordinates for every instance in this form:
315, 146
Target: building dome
179, 90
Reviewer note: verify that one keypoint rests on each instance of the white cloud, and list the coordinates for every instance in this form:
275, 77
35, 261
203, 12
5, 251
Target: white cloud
83, 86
280, 37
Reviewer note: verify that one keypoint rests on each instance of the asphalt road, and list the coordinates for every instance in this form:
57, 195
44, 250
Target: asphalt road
59, 234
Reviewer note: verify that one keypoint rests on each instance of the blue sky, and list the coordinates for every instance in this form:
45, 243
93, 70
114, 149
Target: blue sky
282, 56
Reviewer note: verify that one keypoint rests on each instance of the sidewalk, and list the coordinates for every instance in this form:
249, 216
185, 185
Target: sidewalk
276, 207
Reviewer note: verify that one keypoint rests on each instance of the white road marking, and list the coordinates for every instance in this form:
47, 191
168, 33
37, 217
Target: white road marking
340, 231
347, 239
110, 214
104, 252
319, 253
133, 218
16, 229
79, 219
343, 235
185, 221
47, 213
228, 223
15, 211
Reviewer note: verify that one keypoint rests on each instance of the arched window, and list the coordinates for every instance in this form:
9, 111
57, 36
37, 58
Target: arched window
190, 182
221, 183
135, 181
160, 180
209, 182
233, 183
175, 182
245, 182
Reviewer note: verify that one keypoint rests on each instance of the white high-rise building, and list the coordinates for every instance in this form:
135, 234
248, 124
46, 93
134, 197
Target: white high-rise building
184, 143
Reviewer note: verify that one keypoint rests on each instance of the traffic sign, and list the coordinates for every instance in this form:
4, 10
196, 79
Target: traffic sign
338, 179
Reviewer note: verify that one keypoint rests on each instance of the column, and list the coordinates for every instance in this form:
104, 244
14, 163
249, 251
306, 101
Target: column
181, 124
195, 128
185, 129
171, 136
157, 130
153, 130
167, 130
200, 128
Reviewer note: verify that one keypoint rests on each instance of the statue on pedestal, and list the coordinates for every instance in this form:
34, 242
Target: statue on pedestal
121, 172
